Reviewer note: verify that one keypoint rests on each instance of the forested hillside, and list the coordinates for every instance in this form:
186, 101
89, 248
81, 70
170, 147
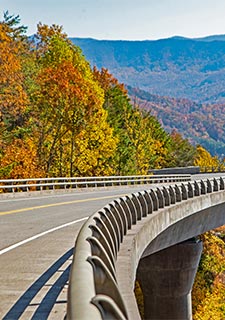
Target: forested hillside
180, 80
200, 123
179, 67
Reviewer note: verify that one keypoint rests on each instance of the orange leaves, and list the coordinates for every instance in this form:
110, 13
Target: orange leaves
63, 80
45, 33
19, 160
68, 104
66, 75
106, 80
13, 98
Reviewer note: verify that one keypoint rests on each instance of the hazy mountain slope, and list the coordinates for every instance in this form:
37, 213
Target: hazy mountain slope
177, 67
186, 69
200, 123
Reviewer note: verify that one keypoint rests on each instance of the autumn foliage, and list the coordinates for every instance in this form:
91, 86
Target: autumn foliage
208, 294
59, 117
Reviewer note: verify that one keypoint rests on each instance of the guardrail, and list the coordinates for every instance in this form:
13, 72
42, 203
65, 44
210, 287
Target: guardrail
207, 169
176, 170
93, 286
40, 184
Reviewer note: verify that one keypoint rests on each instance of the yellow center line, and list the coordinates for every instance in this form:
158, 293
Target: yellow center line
59, 204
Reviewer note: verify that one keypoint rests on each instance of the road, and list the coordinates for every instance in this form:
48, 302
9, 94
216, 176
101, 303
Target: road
36, 247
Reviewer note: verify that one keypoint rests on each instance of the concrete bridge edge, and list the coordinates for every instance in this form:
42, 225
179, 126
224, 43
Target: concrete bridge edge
183, 220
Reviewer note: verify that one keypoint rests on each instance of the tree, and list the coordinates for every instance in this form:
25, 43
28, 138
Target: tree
143, 144
208, 294
182, 152
20, 160
67, 99
205, 161
13, 98
14, 101
116, 103
95, 147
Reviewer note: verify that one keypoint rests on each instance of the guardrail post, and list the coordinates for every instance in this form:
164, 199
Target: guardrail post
166, 279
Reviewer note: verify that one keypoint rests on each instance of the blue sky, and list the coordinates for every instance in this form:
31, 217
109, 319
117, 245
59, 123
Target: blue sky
123, 19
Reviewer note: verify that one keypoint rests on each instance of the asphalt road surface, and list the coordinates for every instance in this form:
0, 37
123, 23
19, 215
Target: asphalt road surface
37, 237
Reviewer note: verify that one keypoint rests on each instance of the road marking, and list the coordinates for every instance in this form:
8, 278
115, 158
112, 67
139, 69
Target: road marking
40, 235
58, 204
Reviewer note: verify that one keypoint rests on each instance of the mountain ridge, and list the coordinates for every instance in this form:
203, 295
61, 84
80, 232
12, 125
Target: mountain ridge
181, 80
216, 37
180, 68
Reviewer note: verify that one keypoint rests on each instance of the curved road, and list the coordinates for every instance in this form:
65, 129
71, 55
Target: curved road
37, 236
36, 248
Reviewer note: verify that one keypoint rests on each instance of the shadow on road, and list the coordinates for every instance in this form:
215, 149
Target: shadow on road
43, 308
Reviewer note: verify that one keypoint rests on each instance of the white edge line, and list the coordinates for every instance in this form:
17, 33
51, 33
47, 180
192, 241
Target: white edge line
39, 235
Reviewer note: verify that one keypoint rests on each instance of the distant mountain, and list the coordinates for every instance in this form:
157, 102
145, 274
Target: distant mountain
178, 67
181, 80
200, 123
219, 37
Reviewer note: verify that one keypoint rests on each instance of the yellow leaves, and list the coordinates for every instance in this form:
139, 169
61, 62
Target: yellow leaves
149, 150
208, 292
139, 298
211, 305
205, 160
45, 34
94, 147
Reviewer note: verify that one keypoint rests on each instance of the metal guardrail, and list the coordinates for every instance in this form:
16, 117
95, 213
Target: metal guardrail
176, 170
39, 184
93, 289
219, 168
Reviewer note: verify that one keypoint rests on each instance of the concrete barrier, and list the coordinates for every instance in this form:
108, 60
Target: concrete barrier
114, 239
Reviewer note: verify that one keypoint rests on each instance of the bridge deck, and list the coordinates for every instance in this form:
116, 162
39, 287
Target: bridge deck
36, 287
33, 276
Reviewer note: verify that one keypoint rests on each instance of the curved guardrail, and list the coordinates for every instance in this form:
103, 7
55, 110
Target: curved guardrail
39, 184
93, 286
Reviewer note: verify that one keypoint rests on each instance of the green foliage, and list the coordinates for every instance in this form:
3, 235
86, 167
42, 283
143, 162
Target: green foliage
182, 152
12, 25
143, 144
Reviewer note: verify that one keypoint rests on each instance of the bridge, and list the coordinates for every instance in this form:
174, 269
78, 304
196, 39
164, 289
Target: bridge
140, 231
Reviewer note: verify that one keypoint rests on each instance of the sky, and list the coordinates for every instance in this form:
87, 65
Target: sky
122, 19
